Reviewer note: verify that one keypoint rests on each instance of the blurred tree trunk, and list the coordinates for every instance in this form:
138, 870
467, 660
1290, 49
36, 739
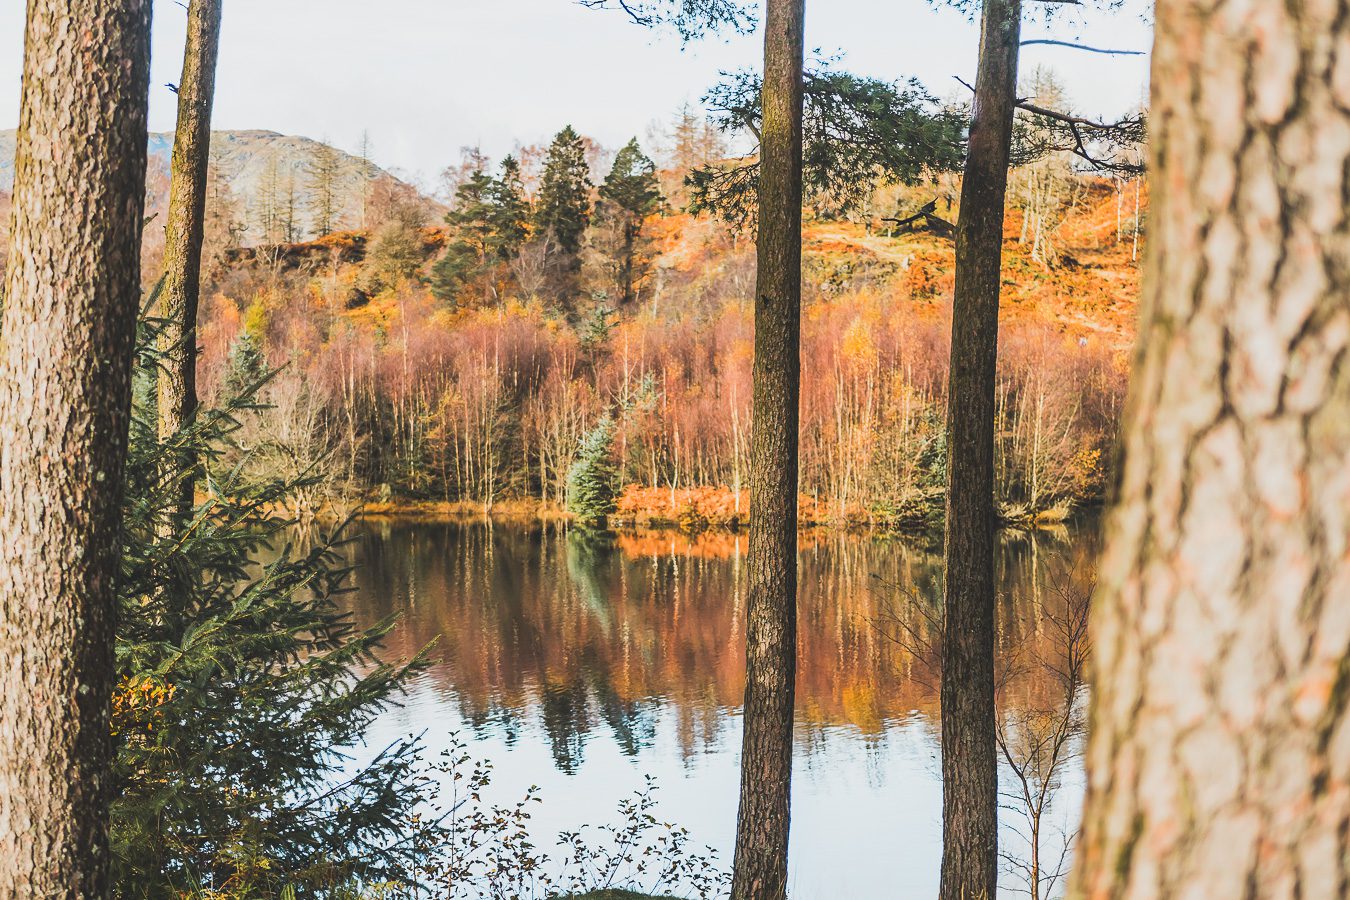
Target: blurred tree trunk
1219, 756
65, 390
184, 232
969, 766
760, 870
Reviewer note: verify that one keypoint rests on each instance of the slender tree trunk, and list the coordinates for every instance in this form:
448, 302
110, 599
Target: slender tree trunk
969, 767
760, 871
629, 251
1219, 758
65, 389
184, 232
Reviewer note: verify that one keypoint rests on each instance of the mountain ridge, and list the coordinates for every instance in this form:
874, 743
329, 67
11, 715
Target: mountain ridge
245, 160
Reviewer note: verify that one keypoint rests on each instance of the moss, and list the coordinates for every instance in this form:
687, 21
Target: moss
1126, 855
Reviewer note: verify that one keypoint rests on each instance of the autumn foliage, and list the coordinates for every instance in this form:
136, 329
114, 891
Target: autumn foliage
399, 397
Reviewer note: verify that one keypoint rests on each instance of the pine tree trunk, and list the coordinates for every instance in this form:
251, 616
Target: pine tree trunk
969, 767
760, 870
65, 387
629, 252
184, 233
1219, 757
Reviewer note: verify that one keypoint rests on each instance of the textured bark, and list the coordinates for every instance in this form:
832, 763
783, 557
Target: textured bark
68, 325
969, 766
1219, 757
760, 870
184, 232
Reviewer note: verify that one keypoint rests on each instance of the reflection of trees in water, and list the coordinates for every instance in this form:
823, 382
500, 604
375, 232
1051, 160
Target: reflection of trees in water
1040, 739
542, 628
1041, 650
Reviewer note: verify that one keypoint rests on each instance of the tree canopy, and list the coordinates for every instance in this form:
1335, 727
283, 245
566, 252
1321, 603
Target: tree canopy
857, 131
564, 207
690, 18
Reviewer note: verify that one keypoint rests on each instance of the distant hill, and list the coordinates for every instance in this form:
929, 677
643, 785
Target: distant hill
245, 160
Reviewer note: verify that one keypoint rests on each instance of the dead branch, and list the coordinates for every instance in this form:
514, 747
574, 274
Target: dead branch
935, 223
1082, 46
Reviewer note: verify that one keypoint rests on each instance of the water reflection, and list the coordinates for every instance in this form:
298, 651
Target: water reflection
580, 663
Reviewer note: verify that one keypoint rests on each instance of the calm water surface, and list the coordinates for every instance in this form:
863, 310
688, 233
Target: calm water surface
582, 665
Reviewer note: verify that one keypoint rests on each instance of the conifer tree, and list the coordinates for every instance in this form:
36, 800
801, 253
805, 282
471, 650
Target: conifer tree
247, 364
629, 195
510, 210
856, 132
592, 478
268, 203
290, 210
471, 247
240, 686
564, 209
693, 141
324, 170
489, 223
690, 18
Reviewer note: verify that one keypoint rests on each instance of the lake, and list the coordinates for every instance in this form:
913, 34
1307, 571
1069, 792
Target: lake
582, 665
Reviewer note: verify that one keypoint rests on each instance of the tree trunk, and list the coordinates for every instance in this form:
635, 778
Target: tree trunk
1219, 757
969, 767
65, 389
627, 264
183, 234
760, 870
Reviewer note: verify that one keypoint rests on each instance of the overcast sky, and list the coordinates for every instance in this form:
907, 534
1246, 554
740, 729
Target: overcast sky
426, 77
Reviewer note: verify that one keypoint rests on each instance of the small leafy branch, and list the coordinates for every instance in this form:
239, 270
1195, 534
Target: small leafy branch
476, 850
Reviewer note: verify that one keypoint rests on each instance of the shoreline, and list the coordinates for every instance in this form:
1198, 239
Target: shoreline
536, 513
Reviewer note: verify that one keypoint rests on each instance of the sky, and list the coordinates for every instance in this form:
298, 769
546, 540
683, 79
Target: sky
427, 77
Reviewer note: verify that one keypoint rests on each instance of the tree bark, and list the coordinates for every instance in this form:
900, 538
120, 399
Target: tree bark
1219, 756
183, 235
72, 295
969, 761
760, 868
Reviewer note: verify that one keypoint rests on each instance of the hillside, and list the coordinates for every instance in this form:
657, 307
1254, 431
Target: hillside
480, 399
245, 162
1090, 292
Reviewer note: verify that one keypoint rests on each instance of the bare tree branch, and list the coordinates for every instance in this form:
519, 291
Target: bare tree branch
1080, 46
928, 214
1075, 123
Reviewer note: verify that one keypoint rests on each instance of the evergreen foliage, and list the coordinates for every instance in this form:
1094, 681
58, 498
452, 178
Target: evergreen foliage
488, 223
631, 186
467, 254
596, 329
629, 195
247, 365
690, 18
564, 209
241, 683
857, 131
593, 479
509, 213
